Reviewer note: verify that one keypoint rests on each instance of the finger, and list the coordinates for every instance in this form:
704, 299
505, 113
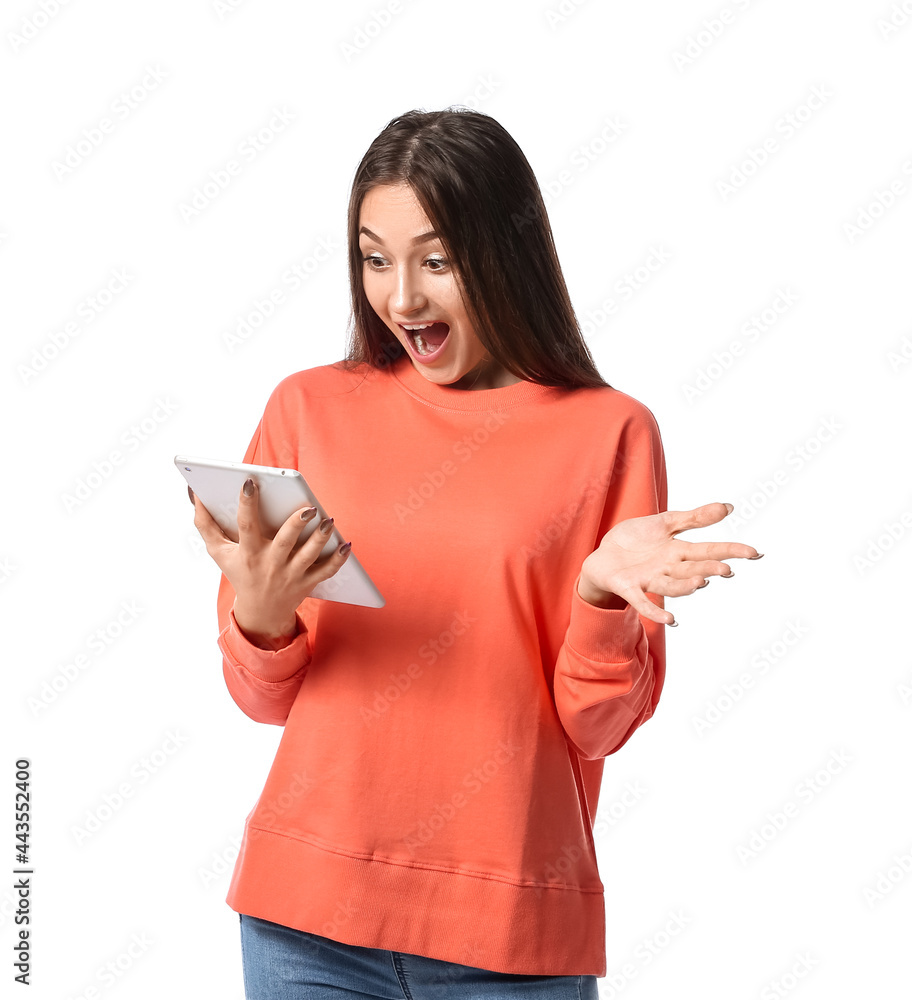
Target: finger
698, 517
250, 532
309, 552
691, 568
211, 531
715, 550
192, 494
287, 536
329, 565
669, 586
635, 597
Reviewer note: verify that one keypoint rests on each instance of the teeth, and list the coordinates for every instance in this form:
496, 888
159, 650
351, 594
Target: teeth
415, 330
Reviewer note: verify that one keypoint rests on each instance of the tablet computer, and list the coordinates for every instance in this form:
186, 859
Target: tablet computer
281, 492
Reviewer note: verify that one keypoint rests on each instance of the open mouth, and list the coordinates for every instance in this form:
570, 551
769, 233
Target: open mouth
426, 338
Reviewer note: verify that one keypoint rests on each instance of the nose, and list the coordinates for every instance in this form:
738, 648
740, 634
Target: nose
407, 294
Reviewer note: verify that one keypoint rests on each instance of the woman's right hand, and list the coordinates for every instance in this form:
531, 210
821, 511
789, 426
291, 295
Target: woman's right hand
270, 576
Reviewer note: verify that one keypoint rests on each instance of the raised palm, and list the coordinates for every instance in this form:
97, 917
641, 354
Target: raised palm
641, 555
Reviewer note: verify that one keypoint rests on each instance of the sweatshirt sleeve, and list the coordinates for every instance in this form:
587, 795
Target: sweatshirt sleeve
262, 682
610, 669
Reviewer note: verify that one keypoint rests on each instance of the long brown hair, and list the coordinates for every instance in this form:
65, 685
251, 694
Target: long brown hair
478, 190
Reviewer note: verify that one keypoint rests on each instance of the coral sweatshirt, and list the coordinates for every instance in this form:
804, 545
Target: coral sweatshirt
435, 787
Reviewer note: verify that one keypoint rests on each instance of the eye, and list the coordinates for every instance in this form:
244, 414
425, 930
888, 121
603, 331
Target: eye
376, 258
438, 260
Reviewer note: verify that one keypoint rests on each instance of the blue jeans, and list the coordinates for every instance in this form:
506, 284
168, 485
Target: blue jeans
281, 963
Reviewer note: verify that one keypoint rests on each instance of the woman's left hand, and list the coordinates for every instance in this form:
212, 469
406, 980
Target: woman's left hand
641, 554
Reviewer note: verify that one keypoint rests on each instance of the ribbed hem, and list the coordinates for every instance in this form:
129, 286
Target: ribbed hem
608, 634
265, 664
481, 921
449, 398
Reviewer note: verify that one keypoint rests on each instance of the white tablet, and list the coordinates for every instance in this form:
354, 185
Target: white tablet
281, 493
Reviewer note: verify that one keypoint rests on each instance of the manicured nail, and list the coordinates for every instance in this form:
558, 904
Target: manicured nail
705, 583
326, 525
759, 555
345, 549
672, 624
308, 513
727, 576
192, 500
248, 487
730, 506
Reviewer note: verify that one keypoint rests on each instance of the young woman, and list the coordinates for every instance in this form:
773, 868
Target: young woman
426, 828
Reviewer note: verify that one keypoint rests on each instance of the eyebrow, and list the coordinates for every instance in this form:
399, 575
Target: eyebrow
423, 238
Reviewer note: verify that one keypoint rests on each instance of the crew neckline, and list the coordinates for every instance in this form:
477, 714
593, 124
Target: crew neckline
448, 398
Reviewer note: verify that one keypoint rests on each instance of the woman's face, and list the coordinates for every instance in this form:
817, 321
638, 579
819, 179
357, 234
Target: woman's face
409, 283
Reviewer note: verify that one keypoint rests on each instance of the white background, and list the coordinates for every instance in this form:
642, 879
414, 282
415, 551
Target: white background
805, 431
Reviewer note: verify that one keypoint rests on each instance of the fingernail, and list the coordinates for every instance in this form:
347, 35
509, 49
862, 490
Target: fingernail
727, 576
759, 555
345, 549
248, 487
672, 624
192, 499
730, 506
326, 525
705, 583
308, 513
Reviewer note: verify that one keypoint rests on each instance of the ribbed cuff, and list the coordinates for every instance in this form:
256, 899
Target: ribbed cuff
268, 665
607, 635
